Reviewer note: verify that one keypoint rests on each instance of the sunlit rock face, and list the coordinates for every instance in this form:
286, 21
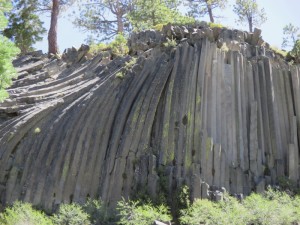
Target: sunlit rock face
218, 110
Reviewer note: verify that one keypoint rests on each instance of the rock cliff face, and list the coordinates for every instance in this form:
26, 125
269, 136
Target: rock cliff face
218, 110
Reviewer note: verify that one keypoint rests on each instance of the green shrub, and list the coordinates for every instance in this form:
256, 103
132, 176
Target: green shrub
229, 211
119, 45
287, 184
71, 214
201, 212
23, 213
98, 212
97, 48
133, 212
273, 207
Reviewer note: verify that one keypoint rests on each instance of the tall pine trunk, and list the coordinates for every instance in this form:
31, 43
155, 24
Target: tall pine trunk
52, 35
119, 14
211, 18
250, 24
120, 23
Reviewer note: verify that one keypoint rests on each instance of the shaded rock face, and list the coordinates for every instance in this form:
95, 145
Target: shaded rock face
193, 114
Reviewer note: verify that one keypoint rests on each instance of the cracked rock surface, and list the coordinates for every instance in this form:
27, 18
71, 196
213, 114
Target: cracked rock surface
192, 114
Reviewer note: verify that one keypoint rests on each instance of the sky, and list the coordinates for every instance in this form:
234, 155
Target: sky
279, 14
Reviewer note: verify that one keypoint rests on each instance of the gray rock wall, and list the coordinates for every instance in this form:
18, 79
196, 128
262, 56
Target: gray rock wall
194, 114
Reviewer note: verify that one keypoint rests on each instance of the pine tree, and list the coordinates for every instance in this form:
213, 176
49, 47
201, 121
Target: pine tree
55, 7
7, 52
149, 13
199, 8
25, 27
104, 18
248, 11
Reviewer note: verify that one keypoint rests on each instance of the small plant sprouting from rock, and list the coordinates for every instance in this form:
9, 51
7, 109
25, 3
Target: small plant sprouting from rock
120, 75
224, 48
128, 66
170, 43
37, 130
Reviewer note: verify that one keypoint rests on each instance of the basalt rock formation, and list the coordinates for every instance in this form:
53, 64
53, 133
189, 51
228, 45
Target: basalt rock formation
218, 110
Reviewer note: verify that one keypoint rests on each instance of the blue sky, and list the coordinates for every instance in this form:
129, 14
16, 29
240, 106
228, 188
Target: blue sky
279, 13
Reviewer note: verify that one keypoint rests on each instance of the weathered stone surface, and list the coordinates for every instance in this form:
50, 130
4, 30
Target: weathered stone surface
191, 114
256, 36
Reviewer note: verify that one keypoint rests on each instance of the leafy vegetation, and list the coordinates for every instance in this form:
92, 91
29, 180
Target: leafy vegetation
25, 26
93, 17
248, 11
8, 51
135, 212
272, 207
170, 43
118, 47
72, 214
23, 213
98, 212
148, 14
199, 8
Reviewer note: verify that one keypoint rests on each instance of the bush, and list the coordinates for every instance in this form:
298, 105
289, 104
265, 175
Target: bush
98, 212
23, 213
133, 212
97, 48
71, 214
205, 211
287, 185
273, 207
119, 45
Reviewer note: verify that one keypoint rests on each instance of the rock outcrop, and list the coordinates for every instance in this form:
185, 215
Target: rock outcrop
219, 110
